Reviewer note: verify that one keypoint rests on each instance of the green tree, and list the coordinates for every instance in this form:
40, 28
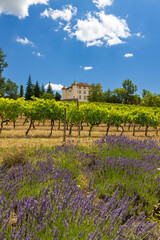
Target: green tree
119, 95
29, 89
47, 96
49, 89
42, 89
36, 90
11, 89
3, 64
58, 96
95, 93
145, 93
21, 91
130, 88
151, 100
106, 96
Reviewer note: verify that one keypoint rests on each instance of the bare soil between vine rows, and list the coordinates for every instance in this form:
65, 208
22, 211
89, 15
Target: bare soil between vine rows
11, 138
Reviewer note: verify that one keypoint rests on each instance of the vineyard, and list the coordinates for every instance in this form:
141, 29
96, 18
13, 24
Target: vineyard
82, 118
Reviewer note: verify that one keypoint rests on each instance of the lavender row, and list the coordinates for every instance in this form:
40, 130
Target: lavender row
107, 191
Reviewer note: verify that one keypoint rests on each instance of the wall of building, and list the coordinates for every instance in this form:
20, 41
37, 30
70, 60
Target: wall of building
83, 93
76, 91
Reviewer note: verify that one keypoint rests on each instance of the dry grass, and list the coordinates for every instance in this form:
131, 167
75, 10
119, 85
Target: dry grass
11, 139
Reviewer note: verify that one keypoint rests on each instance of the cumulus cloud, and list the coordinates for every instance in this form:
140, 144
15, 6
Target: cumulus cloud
128, 55
65, 14
24, 41
95, 43
102, 3
38, 54
101, 29
55, 87
19, 8
87, 68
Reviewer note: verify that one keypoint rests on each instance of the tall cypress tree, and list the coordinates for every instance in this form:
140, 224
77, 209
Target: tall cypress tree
29, 89
49, 89
21, 91
42, 89
36, 90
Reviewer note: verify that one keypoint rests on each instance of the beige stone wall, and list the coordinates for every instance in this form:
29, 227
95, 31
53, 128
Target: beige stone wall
83, 93
76, 91
64, 96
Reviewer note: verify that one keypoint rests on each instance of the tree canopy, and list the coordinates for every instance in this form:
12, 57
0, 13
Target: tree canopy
3, 65
11, 89
95, 93
29, 89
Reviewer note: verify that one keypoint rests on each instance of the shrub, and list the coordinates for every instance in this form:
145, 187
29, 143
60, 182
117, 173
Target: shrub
14, 158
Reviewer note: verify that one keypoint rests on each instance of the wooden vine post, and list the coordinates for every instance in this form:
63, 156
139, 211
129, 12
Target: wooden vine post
64, 135
79, 130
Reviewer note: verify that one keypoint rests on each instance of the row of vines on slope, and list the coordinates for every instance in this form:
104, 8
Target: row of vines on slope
92, 113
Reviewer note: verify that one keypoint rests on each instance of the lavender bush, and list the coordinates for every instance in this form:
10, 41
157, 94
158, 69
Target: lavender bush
70, 192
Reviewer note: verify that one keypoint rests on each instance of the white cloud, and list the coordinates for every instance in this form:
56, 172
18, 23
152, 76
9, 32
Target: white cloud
139, 34
102, 3
87, 68
38, 54
101, 28
65, 14
128, 55
55, 87
95, 43
67, 28
19, 8
114, 41
24, 41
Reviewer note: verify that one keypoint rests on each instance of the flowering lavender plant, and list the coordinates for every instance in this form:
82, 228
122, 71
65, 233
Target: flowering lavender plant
47, 199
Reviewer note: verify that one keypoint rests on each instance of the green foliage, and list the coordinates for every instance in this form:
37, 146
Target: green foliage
36, 90
21, 91
106, 96
145, 93
49, 89
129, 86
42, 89
3, 65
131, 89
11, 89
151, 100
58, 96
47, 96
120, 95
95, 93
29, 89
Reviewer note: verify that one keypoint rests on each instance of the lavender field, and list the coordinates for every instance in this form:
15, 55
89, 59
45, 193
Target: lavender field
110, 190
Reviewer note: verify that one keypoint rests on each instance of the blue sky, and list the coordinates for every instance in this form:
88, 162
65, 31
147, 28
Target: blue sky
90, 41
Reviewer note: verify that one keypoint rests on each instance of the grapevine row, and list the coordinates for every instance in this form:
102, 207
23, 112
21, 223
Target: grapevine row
93, 114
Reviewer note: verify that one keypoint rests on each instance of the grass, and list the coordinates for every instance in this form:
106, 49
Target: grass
15, 138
